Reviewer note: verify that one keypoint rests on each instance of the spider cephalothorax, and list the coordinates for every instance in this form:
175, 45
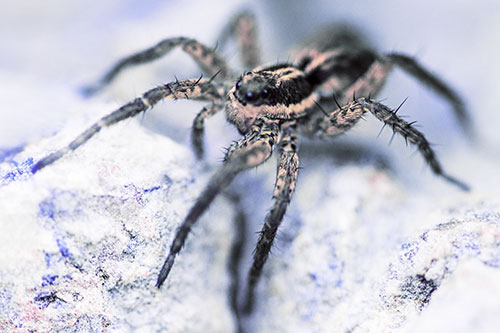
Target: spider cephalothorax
277, 92
270, 105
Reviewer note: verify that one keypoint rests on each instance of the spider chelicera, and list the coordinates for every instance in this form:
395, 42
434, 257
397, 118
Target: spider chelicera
270, 105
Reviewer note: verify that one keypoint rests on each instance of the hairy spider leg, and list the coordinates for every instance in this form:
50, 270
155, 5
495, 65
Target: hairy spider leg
406, 130
201, 89
412, 67
368, 84
339, 121
286, 177
236, 252
250, 151
198, 128
244, 29
207, 58
329, 124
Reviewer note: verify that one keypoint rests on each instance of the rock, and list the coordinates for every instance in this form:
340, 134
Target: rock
84, 238
353, 258
358, 251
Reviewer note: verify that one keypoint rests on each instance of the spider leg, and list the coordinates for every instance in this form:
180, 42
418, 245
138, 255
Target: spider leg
339, 120
198, 128
201, 89
409, 133
244, 28
323, 124
237, 247
252, 150
207, 58
286, 178
368, 84
412, 67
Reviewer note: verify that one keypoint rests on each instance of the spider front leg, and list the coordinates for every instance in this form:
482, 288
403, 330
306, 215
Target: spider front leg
252, 150
339, 121
207, 58
410, 134
288, 166
200, 89
370, 83
344, 118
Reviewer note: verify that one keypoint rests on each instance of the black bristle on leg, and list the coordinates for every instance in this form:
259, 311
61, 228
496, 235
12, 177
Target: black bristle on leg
411, 135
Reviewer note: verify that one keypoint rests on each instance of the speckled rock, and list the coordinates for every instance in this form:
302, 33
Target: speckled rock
353, 258
83, 240
358, 251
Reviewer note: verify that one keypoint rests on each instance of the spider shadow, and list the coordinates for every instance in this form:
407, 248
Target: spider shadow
344, 152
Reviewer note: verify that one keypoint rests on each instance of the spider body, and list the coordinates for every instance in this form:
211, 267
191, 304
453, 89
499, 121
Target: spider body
270, 105
279, 92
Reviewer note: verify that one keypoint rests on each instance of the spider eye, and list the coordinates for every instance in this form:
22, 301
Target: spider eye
249, 95
238, 84
265, 92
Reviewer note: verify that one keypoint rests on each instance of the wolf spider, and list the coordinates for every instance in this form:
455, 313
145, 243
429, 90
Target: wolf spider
270, 105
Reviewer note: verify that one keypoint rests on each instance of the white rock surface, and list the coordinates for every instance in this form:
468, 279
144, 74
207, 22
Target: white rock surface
357, 252
83, 240
361, 253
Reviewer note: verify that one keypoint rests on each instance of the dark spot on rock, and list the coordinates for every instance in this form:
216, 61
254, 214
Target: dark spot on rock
418, 289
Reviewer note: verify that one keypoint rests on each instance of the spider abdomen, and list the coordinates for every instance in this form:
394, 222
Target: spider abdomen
334, 70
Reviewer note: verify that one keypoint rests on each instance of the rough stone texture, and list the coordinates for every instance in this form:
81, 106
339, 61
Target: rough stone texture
83, 240
358, 251
353, 258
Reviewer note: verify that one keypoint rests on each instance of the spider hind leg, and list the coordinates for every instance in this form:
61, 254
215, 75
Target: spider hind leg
412, 67
236, 253
243, 28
